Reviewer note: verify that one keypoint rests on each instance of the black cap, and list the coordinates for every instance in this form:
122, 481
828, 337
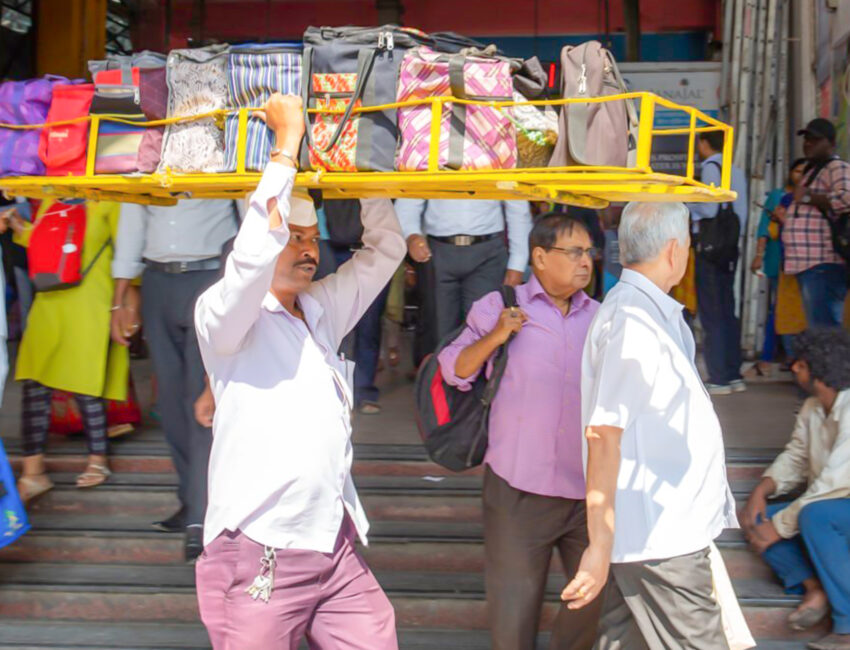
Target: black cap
819, 128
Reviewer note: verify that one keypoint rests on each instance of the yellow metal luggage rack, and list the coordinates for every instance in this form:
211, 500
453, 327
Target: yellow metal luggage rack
578, 185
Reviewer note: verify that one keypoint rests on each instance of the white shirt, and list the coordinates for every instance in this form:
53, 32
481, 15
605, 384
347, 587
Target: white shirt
639, 374
818, 457
280, 467
449, 217
194, 229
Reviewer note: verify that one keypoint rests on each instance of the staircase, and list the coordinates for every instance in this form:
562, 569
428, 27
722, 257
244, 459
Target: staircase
93, 574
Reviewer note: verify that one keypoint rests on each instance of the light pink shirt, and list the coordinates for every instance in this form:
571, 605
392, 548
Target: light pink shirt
281, 455
535, 422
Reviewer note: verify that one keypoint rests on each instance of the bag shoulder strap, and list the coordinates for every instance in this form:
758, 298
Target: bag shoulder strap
720, 169
89, 266
501, 362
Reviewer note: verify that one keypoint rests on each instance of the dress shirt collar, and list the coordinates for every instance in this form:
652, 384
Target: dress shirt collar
310, 306
668, 306
580, 300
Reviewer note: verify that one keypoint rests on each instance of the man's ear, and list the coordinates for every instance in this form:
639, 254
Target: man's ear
538, 257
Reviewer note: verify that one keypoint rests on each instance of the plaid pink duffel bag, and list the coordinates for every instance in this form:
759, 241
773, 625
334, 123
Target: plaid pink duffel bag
471, 137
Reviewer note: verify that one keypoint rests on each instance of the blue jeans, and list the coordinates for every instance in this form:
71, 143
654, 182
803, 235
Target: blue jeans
821, 549
716, 308
363, 344
824, 288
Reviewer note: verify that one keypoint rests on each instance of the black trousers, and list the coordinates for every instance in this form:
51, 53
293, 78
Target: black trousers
168, 306
520, 532
462, 275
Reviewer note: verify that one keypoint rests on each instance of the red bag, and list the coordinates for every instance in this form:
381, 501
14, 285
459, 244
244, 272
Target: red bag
55, 250
65, 414
62, 149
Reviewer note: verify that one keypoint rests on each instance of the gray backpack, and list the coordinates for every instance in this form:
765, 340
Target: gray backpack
602, 133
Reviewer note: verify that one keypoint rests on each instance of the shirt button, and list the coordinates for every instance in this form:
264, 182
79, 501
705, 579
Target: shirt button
171, 223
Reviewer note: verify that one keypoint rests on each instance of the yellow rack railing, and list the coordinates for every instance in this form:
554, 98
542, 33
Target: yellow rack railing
579, 185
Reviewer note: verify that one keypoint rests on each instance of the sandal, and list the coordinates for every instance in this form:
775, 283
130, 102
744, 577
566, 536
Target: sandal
94, 475
33, 485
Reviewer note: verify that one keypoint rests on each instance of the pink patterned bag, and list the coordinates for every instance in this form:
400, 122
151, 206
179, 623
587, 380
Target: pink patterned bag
471, 137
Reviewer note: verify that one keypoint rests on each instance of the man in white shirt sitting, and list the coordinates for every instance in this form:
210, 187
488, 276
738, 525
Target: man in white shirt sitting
279, 562
806, 541
657, 493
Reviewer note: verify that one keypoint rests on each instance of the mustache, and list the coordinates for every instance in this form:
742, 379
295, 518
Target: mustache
307, 261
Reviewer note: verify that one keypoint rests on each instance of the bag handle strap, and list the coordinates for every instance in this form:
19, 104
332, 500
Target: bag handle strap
615, 70
364, 69
501, 362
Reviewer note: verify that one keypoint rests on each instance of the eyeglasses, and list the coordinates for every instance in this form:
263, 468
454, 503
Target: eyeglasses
574, 253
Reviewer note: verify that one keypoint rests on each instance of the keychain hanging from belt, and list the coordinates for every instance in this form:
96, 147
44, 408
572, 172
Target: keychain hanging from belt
263, 585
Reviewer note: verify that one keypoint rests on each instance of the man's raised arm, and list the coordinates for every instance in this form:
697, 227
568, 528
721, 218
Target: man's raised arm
226, 312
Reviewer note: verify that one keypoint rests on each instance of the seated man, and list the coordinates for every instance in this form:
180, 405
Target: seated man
806, 541
533, 482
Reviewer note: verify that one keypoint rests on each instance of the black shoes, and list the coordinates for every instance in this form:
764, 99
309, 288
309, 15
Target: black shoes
176, 523
194, 542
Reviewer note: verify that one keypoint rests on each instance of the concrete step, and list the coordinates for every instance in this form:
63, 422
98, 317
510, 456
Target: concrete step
159, 549
56, 635
385, 498
381, 530
368, 461
422, 600
375, 478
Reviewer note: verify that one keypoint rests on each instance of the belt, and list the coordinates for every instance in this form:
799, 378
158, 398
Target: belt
209, 264
467, 240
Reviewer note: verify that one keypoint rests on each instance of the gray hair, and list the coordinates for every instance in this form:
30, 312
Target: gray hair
645, 228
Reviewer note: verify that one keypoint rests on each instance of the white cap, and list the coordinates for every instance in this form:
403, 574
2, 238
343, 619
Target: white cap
302, 212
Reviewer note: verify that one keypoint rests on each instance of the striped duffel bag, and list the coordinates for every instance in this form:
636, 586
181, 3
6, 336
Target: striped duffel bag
254, 72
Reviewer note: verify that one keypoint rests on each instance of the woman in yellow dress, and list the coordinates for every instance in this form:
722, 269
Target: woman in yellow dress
66, 346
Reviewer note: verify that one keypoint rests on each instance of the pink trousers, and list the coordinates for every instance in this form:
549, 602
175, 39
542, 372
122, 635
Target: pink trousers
331, 599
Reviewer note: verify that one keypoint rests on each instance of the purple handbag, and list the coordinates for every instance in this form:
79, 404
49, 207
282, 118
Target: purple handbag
25, 102
153, 95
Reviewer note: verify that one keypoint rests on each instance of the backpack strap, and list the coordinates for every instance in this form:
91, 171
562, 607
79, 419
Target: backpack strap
720, 169
501, 362
89, 266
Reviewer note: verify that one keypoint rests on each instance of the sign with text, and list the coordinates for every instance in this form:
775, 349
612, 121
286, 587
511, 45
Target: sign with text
694, 84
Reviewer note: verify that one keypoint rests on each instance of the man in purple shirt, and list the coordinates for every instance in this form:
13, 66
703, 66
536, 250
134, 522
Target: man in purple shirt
534, 485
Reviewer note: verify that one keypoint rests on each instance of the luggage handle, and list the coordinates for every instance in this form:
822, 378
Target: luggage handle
364, 69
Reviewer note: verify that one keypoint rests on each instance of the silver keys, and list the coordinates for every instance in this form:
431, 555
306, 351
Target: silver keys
263, 585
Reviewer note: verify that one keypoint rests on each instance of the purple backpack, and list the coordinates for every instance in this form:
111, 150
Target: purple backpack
24, 102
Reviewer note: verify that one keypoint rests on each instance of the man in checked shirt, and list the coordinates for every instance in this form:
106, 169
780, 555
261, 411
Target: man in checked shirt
809, 254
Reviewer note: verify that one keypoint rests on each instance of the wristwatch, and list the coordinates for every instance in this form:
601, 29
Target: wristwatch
285, 154
806, 198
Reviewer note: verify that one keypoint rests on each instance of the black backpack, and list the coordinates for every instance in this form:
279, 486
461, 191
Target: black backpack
839, 225
717, 239
454, 424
